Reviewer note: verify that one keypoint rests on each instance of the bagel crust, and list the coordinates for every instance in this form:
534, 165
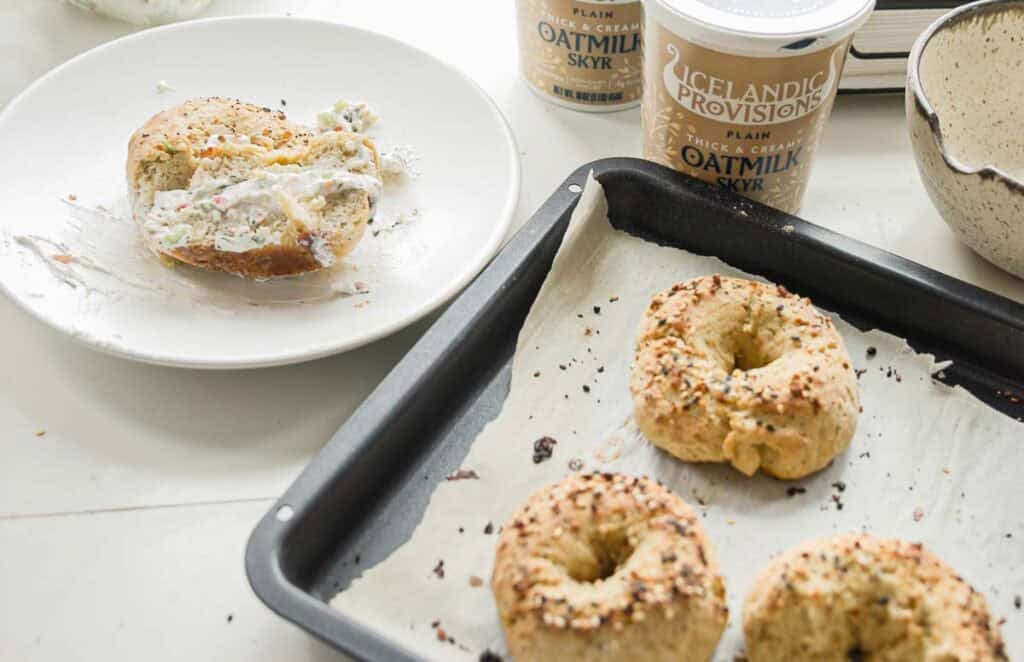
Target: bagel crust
733, 370
857, 597
608, 567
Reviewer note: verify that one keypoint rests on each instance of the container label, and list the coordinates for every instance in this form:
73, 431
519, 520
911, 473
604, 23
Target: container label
748, 124
755, 104
587, 52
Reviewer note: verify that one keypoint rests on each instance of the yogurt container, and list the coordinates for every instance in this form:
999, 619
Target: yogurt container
582, 54
736, 92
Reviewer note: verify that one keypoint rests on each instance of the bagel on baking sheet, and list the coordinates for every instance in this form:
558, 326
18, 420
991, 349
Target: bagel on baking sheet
857, 597
229, 186
733, 370
608, 567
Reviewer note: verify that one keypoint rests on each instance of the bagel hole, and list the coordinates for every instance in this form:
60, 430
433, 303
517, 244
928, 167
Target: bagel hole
751, 353
609, 551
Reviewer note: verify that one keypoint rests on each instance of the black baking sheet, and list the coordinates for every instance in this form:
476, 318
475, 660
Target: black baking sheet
363, 494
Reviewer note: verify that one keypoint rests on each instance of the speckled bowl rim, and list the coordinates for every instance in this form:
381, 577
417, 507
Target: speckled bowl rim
924, 107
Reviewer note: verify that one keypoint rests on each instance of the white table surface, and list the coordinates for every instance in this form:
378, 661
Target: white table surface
124, 524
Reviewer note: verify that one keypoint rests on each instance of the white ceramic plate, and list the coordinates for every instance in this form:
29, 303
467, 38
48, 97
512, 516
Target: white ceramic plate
66, 136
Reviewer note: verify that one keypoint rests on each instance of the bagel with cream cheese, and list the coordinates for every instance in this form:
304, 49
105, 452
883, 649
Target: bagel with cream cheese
229, 186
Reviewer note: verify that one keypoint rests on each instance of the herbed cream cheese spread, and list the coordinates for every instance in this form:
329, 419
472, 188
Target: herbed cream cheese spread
243, 214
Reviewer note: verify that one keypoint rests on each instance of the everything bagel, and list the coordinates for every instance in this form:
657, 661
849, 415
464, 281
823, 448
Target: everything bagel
732, 370
608, 567
856, 597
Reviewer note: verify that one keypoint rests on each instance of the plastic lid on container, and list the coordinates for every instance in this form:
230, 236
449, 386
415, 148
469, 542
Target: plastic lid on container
762, 27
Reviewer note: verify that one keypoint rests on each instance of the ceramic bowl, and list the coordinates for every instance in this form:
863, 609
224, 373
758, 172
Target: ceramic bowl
965, 111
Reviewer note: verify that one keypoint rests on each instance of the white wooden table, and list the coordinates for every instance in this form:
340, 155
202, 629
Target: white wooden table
127, 492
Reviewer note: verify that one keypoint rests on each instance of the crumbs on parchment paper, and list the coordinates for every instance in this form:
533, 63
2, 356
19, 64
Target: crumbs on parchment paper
543, 448
891, 372
443, 636
701, 499
610, 450
462, 474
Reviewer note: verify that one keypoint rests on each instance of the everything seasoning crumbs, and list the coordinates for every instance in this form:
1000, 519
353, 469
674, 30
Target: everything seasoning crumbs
441, 634
1016, 602
575, 464
488, 656
439, 569
489, 529
872, 351
542, 449
463, 474
840, 487
793, 491
918, 514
